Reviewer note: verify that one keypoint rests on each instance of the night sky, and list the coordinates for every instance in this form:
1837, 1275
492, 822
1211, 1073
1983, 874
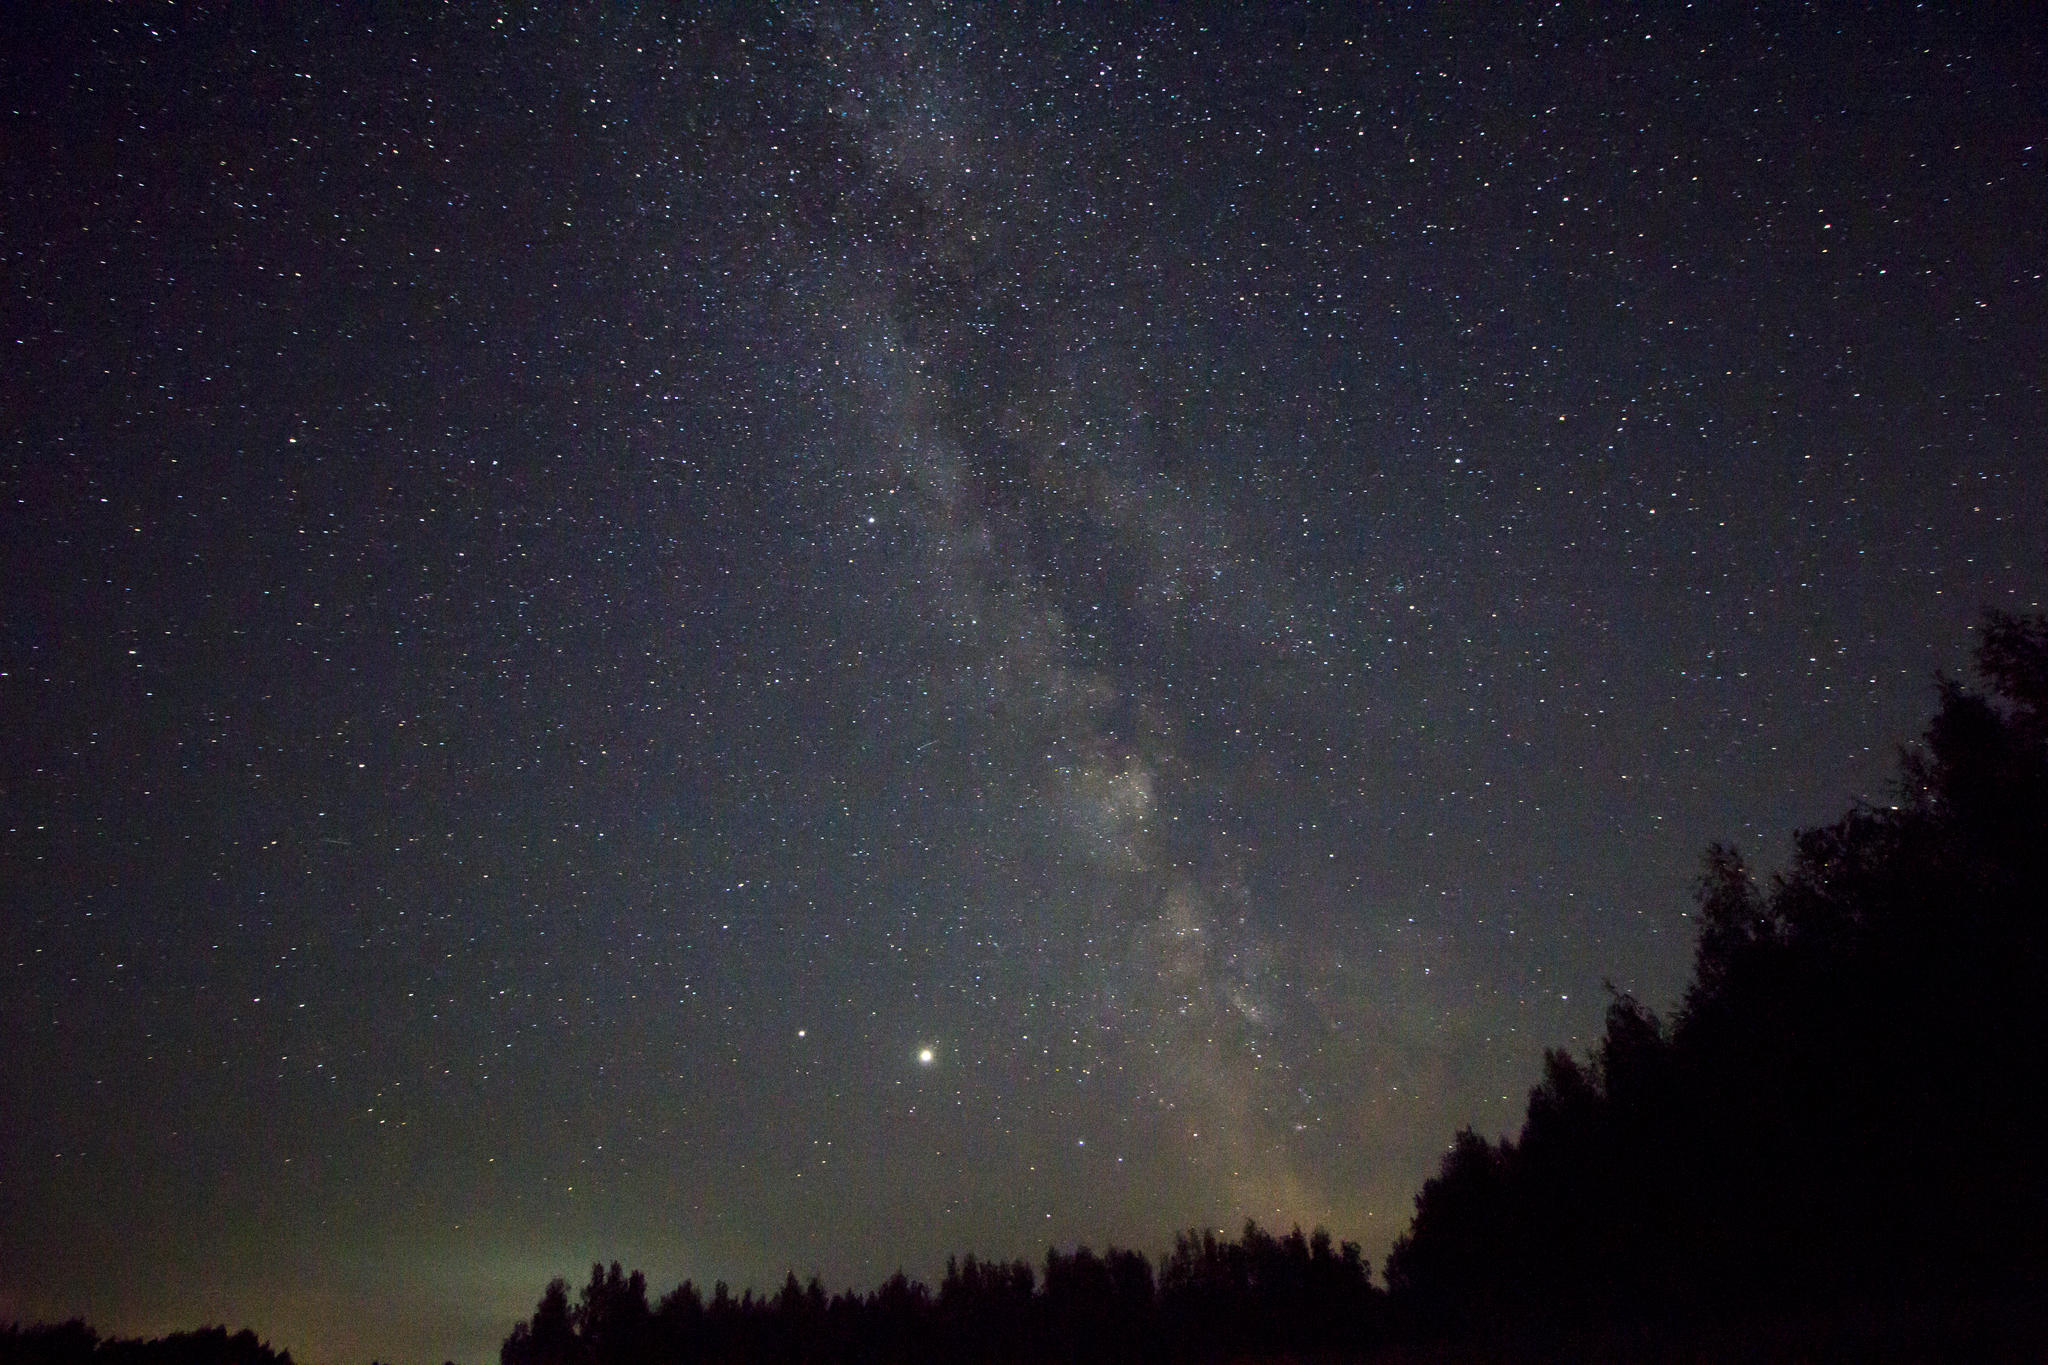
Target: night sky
829, 635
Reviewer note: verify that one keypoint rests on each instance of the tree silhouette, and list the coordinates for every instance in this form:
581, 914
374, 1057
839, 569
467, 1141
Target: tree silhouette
1213, 1299
1849, 1106
549, 1338
74, 1343
1839, 1140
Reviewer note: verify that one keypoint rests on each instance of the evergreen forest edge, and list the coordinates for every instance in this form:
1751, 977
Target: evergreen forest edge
1833, 1148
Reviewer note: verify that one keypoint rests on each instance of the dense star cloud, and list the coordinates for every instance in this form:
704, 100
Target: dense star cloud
823, 635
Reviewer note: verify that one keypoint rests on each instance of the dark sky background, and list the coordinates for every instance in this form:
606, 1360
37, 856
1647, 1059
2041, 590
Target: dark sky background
581, 590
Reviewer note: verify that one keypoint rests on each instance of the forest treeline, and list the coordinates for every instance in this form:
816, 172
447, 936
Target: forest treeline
1835, 1148
74, 1343
1259, 1296
1841, 1125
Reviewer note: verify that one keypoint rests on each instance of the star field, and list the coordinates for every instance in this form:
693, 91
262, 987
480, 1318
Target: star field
815, 637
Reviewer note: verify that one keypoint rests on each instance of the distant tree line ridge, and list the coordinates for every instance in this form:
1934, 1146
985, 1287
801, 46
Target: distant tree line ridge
1211, 1299
74, 1343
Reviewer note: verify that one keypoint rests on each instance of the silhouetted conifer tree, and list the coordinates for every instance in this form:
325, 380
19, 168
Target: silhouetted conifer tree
1849, 1107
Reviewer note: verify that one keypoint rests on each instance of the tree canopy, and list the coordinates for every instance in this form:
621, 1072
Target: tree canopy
1212, 1298
1847, 1106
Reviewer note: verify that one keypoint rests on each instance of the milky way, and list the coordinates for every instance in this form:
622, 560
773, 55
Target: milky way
830, 635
